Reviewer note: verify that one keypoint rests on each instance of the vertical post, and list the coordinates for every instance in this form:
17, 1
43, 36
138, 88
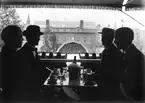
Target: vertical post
81, 24
0, 4
47, 25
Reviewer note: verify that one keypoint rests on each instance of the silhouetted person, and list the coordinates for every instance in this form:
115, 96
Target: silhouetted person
110, 60
94, 56
12, 37
43, 55
58, 55
50, 55
107, 42
132, 84
33, 74
86, 55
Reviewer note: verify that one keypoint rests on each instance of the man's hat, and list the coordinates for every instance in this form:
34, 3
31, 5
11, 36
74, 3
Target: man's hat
32, 30
107, 31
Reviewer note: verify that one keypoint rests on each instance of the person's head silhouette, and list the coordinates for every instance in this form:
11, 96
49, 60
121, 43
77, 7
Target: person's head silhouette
58, 55
32, 34
94, 56
124, 37
86, 55
50, 55
12, 36
107, 36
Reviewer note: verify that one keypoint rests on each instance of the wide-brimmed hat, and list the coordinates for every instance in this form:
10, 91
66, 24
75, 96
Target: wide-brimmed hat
107, 31
32, 30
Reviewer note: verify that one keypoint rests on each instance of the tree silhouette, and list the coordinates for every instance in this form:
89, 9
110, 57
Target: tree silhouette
53, 41
46, 47
8, 16
50, 43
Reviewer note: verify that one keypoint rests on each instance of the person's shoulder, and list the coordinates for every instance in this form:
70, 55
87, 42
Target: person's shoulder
136, 52
27, 48
112, 48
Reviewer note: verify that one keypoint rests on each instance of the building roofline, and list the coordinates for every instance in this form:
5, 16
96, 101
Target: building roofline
75, 32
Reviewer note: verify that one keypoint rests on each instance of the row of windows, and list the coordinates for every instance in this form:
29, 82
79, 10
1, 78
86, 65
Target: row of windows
66, 30
78, 39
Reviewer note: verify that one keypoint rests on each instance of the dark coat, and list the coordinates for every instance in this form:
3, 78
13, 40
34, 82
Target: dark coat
112, 72
134, 73
33, 74
111, 63
10, 72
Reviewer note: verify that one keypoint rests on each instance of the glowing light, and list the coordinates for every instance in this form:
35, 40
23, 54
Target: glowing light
54, 54
82, 55
90, 55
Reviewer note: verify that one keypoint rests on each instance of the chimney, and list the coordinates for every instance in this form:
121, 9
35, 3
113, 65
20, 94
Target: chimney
47, 24
81, 24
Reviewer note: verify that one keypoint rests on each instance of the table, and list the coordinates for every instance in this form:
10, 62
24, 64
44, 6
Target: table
71, 88
68, 87
66, 82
